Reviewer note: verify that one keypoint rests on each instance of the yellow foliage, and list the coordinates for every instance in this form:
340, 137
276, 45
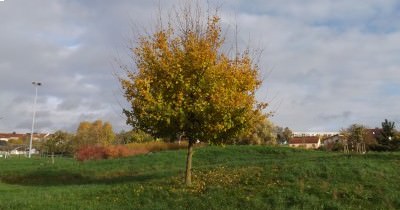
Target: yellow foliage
185, 84
95, 133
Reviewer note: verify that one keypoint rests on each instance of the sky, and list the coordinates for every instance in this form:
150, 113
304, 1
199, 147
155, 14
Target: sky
326, 64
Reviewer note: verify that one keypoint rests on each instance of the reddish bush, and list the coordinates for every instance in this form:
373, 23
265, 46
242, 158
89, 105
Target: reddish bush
112, 152
107, 152
91, 153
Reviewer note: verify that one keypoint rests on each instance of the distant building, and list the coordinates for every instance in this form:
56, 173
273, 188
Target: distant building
333, 139
332, 142
370, 138
11, 136
15, 136
307, 142
321, 134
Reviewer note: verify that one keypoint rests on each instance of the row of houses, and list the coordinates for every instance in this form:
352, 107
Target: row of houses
315, 140
18, 149
15, 136
310, 140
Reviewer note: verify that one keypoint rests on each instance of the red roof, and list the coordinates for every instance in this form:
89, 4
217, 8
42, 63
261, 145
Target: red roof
304, 140
18, 135
11, 135
374, 132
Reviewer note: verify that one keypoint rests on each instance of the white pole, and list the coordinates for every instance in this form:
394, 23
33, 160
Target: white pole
36, 84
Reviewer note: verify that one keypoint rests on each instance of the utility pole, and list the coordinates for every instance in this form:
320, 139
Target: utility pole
36, 84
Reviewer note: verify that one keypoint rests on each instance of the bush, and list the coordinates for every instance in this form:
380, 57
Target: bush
118, 151
335, 146
91, 153
379, 147
134, 136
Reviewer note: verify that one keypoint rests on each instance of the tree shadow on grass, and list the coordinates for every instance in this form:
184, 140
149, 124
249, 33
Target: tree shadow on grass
64, 178
387, 156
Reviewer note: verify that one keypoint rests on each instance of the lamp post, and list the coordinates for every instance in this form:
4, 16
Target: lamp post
36, 84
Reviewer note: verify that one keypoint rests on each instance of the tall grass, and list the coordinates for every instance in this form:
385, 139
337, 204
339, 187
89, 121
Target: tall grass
156, 146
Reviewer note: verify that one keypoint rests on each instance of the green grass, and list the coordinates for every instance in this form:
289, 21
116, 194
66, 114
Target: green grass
233, 177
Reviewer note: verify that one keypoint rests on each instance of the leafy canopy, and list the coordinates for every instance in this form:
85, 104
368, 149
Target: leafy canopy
94, 133
184, 84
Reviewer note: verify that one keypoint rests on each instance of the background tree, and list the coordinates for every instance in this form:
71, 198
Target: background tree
185, 84
95, 133
20, 141
133, 136
107, 135
58, 143
83, 136
354, 134
357, 133
387, 138
283, 134
261, 132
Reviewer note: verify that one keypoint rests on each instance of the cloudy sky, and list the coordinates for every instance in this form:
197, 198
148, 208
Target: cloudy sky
326, 63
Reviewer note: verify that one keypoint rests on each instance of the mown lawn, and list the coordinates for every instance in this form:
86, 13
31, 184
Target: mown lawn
232, 177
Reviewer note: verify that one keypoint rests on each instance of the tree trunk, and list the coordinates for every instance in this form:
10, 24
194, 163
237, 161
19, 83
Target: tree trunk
188, 176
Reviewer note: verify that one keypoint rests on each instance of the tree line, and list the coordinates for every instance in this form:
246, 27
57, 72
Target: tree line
99, 133
385, 138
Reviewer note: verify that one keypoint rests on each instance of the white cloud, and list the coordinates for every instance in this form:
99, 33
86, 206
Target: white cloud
327, 63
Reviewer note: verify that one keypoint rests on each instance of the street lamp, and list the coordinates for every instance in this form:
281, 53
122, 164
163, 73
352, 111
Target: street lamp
36, 84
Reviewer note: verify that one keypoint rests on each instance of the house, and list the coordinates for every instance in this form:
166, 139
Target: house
333, 139
331, 142
21, 150
307, 142
15, 136
370, 138
19, 147
11, 136
322, 134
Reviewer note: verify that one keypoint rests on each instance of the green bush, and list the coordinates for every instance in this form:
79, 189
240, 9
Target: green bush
134, 136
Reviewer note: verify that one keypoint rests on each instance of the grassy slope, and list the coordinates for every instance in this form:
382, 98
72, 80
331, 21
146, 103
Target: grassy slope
234, 177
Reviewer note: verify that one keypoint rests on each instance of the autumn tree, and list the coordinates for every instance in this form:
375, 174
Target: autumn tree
83, 136
185, 84
107, 135
261, 131
94, 133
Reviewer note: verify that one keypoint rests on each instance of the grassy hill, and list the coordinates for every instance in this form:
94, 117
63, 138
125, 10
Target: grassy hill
233, 177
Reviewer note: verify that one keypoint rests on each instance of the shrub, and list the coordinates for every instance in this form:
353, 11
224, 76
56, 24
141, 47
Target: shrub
134, 136
379, 147
107, 152
91, 153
